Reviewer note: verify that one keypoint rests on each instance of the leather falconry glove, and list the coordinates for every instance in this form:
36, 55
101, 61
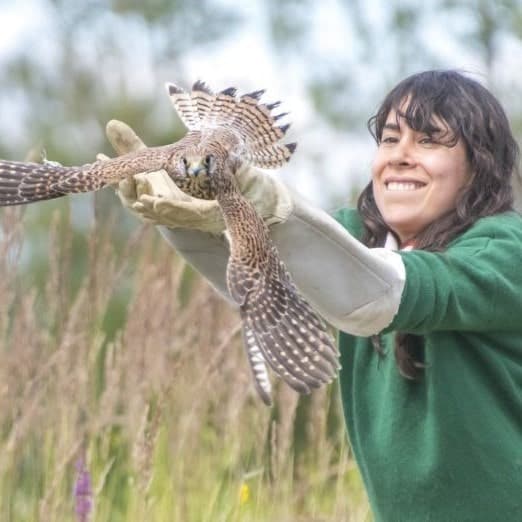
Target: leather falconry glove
156, 199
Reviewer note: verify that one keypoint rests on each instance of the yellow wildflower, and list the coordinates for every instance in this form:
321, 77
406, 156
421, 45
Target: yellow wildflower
244, 494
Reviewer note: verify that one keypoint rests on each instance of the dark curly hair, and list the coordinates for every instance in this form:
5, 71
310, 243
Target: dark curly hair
472, 115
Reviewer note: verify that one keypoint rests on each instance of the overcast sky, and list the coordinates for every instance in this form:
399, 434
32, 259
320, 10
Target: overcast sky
248, 61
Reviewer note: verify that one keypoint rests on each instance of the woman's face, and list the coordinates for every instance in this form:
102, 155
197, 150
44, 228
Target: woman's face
416, 179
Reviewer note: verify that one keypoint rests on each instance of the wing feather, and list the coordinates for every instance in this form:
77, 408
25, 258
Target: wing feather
292, 338
252, 122
257, 365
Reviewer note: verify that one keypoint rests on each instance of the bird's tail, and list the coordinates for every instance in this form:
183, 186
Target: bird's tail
253, 121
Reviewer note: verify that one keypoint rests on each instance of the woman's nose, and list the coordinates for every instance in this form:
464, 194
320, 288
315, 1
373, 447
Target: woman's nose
402, 155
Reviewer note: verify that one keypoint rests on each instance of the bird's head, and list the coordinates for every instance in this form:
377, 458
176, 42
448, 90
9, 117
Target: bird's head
194, 165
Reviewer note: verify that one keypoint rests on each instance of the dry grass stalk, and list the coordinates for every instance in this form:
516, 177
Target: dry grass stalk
169, 388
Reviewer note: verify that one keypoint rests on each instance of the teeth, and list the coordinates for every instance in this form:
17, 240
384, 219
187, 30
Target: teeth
403, 185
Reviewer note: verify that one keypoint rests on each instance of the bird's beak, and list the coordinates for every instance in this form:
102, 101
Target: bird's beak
193, 169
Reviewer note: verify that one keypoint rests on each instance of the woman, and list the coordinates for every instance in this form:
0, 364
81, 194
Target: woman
424, 282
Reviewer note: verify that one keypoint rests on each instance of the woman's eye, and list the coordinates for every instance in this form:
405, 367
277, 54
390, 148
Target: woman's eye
389, 139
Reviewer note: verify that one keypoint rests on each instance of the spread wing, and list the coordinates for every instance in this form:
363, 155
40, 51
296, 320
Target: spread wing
279, 321
27, 182
249, 120
24, 182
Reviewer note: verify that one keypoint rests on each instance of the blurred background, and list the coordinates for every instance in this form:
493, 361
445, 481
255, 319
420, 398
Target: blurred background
118, 365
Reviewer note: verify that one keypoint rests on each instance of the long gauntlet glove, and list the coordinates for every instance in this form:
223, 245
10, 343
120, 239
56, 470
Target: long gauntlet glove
355, 288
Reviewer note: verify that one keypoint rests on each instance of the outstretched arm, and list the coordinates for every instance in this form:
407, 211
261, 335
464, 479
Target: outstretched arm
355, 288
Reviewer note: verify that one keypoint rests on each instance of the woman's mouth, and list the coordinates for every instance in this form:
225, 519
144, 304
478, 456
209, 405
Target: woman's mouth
403, 186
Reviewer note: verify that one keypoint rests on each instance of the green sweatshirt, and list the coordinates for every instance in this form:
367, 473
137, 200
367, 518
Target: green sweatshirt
447, 448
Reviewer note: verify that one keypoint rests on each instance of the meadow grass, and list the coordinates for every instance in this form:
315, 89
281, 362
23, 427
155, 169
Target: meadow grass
119, 355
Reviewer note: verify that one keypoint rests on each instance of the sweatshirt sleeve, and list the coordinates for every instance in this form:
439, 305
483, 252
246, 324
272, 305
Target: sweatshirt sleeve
475, 285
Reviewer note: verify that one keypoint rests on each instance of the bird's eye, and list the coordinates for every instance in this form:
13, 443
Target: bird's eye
185, 162
208, 160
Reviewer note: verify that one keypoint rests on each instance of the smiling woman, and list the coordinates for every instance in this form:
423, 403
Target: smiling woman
417, 177
463, 145
426, 270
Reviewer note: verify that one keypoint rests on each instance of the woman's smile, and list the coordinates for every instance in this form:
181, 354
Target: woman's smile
416, 179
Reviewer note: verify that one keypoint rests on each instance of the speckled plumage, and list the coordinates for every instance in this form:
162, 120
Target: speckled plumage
224, 131
278, 323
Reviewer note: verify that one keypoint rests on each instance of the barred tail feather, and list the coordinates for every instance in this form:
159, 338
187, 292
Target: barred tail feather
182, 102
258, 128
201, 110
275, 359
257, 366
272, 156
202, 100
293, 340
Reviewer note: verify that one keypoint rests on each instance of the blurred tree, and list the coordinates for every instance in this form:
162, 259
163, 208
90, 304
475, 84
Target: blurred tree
493, 24
93, 61
386, 41
89, 62
491, 21
288, 23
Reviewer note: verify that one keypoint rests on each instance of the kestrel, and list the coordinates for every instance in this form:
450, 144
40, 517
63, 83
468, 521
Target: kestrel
224, 131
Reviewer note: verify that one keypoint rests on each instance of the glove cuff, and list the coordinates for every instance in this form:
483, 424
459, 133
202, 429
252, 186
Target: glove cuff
356, 288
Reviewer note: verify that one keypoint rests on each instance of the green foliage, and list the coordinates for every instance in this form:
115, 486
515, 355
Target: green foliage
105, 55
288, 23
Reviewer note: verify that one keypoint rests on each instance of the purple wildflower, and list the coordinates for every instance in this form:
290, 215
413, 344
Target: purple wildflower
83, 491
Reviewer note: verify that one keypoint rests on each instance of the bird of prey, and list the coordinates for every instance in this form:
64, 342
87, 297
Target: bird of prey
224, 131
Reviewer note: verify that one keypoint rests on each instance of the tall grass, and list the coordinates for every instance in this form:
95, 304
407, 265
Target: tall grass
127, 363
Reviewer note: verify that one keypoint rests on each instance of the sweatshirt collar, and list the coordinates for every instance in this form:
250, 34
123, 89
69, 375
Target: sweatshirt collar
392, 244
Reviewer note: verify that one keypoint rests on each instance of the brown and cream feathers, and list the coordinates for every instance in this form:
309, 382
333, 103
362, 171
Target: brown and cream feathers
279, 327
